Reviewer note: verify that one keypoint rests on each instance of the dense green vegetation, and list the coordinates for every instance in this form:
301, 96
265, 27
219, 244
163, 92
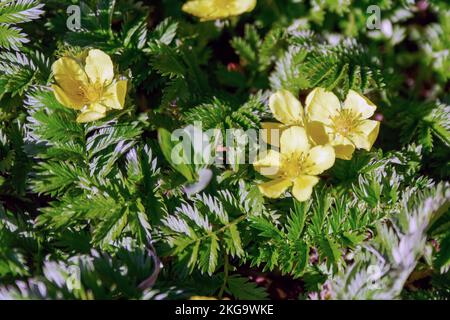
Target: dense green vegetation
99, 210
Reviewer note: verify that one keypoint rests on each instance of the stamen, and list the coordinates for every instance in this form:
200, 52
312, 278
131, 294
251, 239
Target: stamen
345, 122
293, 165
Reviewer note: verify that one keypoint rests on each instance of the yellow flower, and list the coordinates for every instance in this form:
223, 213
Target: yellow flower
87, 83
202, 298
287, 110
218, 9
345, 127
296, 165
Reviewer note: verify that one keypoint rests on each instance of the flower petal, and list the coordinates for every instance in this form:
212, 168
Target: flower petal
271, 133
242, 6
274, 188
320, 158
303, 187
269, 163
359, 104
89, 116
68, 99
211, 10
97, 107
367, 134
206, 10
294, 140
99, 67
343, 148
69, 75
317, 132
200, 8
111, 98
286, 108
321, 105
122, 91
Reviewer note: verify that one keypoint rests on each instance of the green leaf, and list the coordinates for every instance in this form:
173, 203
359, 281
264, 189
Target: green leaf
296, 220
243, 289
111, 228
301, 250
233, 241
12, 37
209, 255
167, 146
166, 31
12, 12
443, 256
330, 250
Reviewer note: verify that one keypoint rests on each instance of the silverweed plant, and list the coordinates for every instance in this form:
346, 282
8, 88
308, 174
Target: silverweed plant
211, 149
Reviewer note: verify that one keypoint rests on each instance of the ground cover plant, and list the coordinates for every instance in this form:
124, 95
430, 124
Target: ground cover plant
241, 149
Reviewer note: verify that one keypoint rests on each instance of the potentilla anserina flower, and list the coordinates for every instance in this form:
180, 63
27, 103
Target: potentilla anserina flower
87, 83
346, 127
218, 9
297, 165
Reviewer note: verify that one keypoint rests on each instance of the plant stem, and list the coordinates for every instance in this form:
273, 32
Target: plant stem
226, 270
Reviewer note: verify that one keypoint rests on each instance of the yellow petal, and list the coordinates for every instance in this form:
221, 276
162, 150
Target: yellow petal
218, 9
122, 91
206, 10
343, 148
367, 133
99, 67
68, 99
286, 108
268, 163
114, 95
359, 105
321, 105
198, 8
294, 140
303, 187
244, 5
97, 107
317, 132
69, 75
271, 133
274, 188
202, 298
89, 116
320, 158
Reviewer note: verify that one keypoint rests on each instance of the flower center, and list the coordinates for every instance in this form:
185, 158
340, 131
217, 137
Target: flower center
293, 165
91, 92
345, 122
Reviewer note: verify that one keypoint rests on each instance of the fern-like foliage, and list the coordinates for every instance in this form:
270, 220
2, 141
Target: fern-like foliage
335, 67
305, 61
218, 114
101, 210
102, 169
12, 259
206, 229
423, 122
13, 12
86, 277
329, 225
20, 71
384, 264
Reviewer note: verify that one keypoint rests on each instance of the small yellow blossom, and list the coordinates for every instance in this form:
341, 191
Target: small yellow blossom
345, 127
202, 298
287, 110
87, 83
218, 9
296, 165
